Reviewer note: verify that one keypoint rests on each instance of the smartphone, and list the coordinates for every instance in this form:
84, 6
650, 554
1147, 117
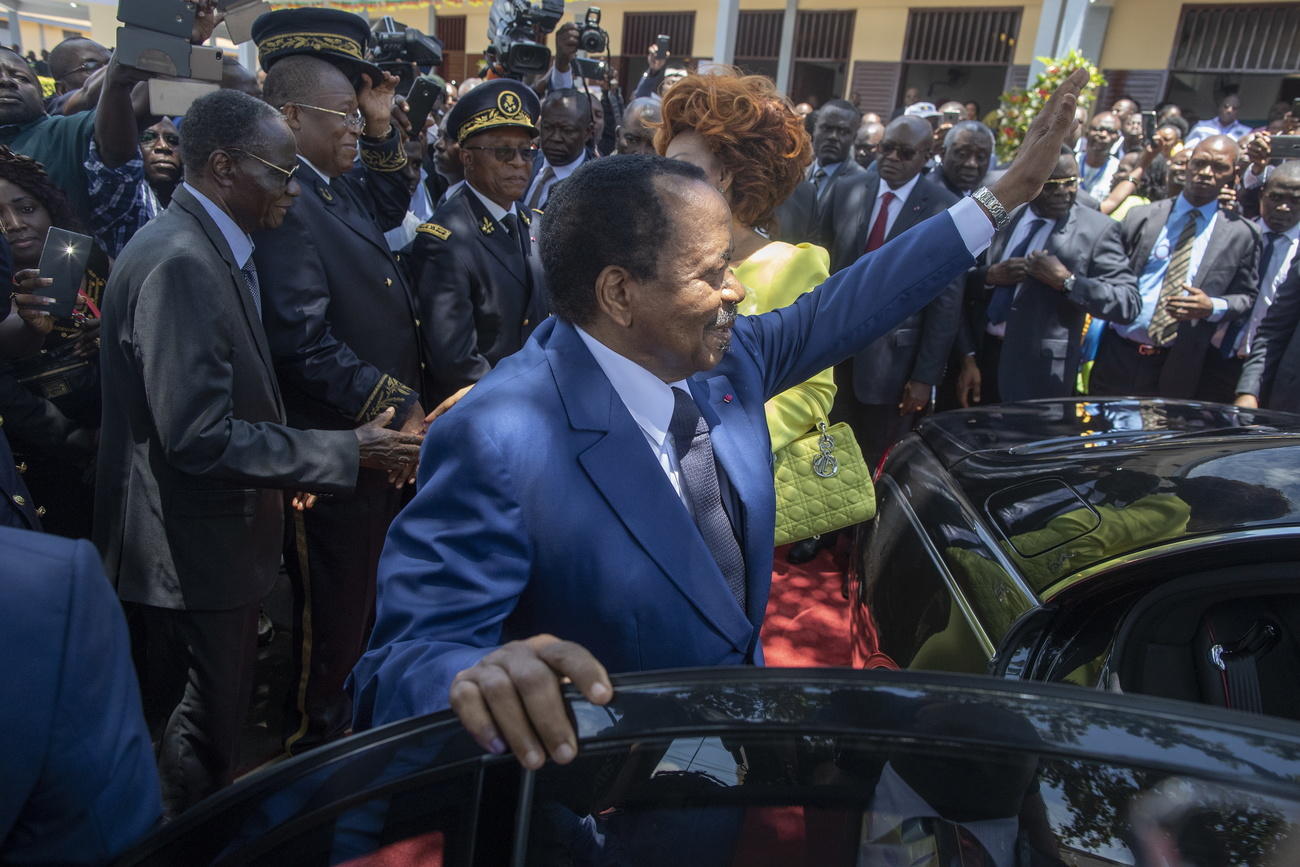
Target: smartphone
1285, 147
426, 92
173, 98
663, 42
1148, 126
64, 261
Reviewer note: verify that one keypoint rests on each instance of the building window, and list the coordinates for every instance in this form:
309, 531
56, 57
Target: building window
1252, 38
641, 29
963, 36
451, 30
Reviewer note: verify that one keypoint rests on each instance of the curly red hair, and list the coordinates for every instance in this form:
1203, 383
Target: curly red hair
753, 131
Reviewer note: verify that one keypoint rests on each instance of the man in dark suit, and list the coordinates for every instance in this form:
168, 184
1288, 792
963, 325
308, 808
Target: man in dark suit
194, 451
566, 125
344, 333
481, 288
1196, 267
966, 155
80, 784
1057, 262
640, 407
881, 390
798, 218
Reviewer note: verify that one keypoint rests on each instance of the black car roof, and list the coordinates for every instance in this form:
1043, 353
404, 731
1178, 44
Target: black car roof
1067, 484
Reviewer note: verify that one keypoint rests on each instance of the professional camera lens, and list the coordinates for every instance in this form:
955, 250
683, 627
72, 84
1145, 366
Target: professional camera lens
592, 40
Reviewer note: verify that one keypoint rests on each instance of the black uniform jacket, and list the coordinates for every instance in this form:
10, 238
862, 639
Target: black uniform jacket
481, 291
340, 316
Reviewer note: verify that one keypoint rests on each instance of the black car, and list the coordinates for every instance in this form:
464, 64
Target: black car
745, 766
1145, 546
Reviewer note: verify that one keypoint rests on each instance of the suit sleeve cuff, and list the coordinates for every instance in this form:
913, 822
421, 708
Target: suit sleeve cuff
388, 392
385, 155
973, 225
1220, 308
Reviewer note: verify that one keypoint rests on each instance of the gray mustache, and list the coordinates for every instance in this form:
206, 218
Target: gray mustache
726, 317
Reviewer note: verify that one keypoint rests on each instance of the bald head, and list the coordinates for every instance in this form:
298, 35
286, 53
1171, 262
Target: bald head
73, 60
634, 134
1211, 167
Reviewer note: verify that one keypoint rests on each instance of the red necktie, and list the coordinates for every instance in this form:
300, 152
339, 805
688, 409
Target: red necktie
877, 236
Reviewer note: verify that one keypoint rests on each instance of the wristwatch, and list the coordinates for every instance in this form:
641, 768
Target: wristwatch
1067, 286
1001, 219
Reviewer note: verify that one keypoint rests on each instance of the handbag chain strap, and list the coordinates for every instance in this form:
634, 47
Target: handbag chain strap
825, 465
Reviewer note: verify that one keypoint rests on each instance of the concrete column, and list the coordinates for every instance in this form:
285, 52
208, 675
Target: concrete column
1049, 25
724, 43
785, 57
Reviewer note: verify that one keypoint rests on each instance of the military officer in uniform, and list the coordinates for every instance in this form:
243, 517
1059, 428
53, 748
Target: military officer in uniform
343, 328
481, 288
16, 506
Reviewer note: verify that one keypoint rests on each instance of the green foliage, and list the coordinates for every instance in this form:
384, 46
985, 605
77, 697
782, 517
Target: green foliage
1018, 107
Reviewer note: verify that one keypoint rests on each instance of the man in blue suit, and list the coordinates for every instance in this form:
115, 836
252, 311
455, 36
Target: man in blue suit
80, 784
606, 493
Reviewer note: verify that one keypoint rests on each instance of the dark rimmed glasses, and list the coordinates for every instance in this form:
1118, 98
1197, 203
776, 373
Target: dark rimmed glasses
286, 173
505, 154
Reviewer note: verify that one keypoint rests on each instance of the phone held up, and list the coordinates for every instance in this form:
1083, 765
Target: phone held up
64, 260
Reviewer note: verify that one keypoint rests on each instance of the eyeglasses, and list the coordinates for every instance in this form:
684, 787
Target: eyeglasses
504, 154
905, 152
149, 136
88, 66
1061, 182
288, 173
354, 120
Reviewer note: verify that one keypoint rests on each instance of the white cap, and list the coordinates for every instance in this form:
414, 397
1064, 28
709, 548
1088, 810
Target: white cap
921, 109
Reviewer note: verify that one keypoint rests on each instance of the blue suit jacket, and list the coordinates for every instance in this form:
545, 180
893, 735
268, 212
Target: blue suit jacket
79, 783
541, 509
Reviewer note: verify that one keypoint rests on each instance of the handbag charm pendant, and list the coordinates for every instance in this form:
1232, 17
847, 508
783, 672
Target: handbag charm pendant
825, 465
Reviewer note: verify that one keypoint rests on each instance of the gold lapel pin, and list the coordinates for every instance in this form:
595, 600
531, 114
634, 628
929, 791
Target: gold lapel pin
487, 227
325, 192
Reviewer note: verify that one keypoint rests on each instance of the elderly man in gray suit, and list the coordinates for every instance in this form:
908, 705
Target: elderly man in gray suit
1057, 262
1196, 267
194, 448
881, 390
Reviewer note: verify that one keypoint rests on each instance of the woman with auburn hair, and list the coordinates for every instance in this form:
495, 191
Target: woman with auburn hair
753, 147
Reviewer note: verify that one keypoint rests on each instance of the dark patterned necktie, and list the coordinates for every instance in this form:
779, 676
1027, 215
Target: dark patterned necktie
1000, 303
694, 447
249, 272
1164, 328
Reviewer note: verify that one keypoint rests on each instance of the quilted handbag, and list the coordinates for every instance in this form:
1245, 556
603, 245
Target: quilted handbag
822, 484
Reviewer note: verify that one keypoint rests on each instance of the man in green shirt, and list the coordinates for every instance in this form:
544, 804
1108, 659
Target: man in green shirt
60, 142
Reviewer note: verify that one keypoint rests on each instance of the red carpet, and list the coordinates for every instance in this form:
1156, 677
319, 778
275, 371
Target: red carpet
807, 621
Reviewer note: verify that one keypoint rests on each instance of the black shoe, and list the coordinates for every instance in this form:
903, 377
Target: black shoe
803, 551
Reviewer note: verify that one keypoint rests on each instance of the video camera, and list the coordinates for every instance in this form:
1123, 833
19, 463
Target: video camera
397, 46
514, 28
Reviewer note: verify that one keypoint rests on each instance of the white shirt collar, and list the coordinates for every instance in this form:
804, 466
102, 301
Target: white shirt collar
241, 245
647, 397
1292, 234
902, 192
497, 212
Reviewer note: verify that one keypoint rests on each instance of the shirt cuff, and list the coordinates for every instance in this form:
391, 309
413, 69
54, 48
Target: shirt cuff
561, 80
974, 226
1220, 308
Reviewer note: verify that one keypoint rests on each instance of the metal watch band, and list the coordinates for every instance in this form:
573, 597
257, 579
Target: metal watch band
999, 214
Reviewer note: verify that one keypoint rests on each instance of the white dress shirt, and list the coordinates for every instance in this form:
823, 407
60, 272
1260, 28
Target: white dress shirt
1206, 128
1038, 242
1096, 182
895, 205
559, 174
648, 399
497, 212
1279, 265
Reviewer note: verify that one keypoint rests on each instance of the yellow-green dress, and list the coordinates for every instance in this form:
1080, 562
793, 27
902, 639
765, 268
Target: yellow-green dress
773, 278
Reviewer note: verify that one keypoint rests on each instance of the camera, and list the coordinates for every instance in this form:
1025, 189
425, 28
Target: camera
591, 36
396, 47
514, 28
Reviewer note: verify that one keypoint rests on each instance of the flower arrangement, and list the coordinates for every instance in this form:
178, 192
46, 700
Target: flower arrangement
1017, 107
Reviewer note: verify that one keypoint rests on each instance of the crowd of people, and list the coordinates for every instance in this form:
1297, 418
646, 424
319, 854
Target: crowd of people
501, 394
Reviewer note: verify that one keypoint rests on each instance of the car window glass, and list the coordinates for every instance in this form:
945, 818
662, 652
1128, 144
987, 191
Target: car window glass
824, 800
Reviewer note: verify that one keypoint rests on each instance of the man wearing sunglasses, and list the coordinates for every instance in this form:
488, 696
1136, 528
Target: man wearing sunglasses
1056, 262
882, 389
480, 283
342, 325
